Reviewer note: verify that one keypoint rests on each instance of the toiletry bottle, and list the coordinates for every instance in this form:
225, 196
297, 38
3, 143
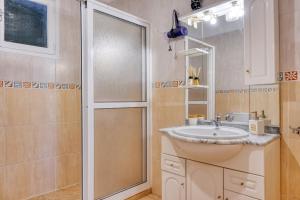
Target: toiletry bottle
267, 122
256, 126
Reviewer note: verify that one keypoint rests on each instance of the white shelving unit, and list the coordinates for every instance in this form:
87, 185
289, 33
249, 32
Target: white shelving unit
193, 52
203, 50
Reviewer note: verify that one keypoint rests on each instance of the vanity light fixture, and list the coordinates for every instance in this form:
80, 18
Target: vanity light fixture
232, 10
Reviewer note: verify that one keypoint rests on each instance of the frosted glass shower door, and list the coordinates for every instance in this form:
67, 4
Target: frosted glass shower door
117, 91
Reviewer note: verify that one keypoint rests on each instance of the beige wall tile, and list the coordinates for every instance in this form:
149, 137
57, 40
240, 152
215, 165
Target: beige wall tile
18, 144
2, 174
67, 170
3, 108
43, 176
41, 142
18, 106
2, 147
43, 106
18, 183
68, 138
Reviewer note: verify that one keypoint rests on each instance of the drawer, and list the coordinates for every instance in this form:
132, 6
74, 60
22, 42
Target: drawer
173, 164
244, 183
228, 195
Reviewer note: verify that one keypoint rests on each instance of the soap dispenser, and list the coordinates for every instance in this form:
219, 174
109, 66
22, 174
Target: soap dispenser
256, 126
267, 122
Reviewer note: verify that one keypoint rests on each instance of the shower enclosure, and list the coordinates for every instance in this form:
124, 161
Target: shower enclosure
116, 97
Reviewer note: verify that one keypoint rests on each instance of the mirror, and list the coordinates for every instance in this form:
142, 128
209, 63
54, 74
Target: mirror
221, 27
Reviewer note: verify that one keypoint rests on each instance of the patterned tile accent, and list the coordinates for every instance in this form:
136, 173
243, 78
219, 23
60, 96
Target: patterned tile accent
17, 84
51, 85
65, 86
8, 84
35, 84
169, 84
27, 84
289, 75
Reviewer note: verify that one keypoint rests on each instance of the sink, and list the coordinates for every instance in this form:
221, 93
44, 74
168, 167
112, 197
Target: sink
206, 143
210, 132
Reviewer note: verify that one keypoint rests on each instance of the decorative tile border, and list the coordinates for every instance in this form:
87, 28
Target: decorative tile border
289, 76
38, 85
169, 84
244, 91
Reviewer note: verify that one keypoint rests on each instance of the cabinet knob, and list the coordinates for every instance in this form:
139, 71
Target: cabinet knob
219, 197
248, 70
242, 184
226, 199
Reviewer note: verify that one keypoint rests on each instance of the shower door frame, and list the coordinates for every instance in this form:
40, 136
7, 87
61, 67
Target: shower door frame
89, 106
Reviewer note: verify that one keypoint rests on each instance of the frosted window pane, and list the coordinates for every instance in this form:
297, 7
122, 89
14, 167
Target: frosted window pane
119, 60
120, 150
25, 23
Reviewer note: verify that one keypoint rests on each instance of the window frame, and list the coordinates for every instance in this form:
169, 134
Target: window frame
52, 33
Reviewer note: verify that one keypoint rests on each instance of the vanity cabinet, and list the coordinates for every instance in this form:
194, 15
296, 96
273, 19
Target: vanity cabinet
204, 181
173, 187
261, 42
251, 174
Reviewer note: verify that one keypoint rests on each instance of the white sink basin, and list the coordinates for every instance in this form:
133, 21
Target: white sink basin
210, 132
206, 143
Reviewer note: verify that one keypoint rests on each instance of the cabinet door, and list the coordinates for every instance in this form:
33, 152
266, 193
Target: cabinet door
173, 186
234, 196
204, 182
261, 41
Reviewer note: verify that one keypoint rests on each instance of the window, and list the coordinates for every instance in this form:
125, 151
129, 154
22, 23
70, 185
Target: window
28, 25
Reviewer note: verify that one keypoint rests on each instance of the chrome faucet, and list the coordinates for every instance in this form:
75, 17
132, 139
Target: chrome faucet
217, 122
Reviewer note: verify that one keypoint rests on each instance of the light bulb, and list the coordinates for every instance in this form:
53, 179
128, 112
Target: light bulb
207, 16
190, 23
213, 20
195, 24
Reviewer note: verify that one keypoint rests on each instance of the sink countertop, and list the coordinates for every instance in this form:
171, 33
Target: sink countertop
260, 140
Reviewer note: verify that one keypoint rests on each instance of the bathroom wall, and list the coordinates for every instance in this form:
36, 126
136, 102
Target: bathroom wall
290, 97
40, 134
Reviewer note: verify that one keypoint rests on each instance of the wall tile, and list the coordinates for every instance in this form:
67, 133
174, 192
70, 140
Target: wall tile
18, 144
18, 182
43, 106
43, 176
3, 108
67, 169
41, 142
18, 106
289, 41
2, 174
2, 147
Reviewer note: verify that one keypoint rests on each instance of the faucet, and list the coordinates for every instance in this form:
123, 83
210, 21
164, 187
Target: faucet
217, 122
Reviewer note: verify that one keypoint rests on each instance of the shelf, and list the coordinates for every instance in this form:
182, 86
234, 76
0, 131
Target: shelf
196, 87
193, 52
198, 102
